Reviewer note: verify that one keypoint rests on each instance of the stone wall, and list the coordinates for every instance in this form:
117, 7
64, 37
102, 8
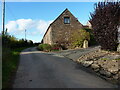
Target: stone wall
62, 31
48, 37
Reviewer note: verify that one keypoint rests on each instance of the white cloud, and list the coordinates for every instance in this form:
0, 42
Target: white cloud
24, 24
42, 26
18, 26
35, 28
12, 26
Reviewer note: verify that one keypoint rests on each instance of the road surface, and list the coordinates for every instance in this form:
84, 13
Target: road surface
43, 70
74, 54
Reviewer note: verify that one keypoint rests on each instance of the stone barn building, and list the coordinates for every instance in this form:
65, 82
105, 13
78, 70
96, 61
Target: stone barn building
61, 28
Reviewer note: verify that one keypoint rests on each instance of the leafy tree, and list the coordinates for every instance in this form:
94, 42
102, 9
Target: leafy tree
105, 21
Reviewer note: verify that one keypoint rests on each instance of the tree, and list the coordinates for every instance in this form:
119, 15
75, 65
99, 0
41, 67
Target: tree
105, 21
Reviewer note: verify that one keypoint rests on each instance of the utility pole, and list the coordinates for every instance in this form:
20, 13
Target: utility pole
3, 16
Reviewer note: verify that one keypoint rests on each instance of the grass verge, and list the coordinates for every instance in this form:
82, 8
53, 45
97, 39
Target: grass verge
10, 60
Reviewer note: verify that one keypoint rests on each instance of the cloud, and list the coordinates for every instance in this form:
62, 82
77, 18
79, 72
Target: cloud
18, 26
43, 25
24, 24
35, 28
12, 26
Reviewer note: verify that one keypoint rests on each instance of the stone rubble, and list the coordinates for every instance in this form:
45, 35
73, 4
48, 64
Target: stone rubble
105, 64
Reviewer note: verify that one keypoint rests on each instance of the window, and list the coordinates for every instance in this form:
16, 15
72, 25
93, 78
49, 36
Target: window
66, 20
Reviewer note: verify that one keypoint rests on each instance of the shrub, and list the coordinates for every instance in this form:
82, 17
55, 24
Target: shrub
44, 47
40, 47
55, 47
105, 21
77, 38
62, 43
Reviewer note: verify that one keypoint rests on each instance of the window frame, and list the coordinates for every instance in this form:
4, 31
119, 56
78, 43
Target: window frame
66, 20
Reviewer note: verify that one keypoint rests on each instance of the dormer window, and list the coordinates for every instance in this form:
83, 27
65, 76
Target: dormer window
67, 20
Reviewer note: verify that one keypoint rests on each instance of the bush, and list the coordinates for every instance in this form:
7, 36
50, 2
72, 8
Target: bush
78, 38
44, 47
62, 43
55, 47
40, 47
105, 21
47, 47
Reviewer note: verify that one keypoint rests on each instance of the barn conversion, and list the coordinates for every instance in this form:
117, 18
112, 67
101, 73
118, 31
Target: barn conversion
61, 28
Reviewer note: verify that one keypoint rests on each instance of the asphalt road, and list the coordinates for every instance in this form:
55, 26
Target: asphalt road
44, 70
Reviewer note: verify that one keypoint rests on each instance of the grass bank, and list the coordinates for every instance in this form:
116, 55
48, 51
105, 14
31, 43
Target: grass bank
10, 60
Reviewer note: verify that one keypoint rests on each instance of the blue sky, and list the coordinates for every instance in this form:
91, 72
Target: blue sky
35, 17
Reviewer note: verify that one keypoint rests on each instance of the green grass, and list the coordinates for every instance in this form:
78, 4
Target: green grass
10, 59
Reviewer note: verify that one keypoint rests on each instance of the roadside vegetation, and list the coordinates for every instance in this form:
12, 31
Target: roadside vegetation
11, 48
10, 61
48, 47
44, 47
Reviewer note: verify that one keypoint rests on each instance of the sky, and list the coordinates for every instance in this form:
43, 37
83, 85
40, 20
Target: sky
35, 17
